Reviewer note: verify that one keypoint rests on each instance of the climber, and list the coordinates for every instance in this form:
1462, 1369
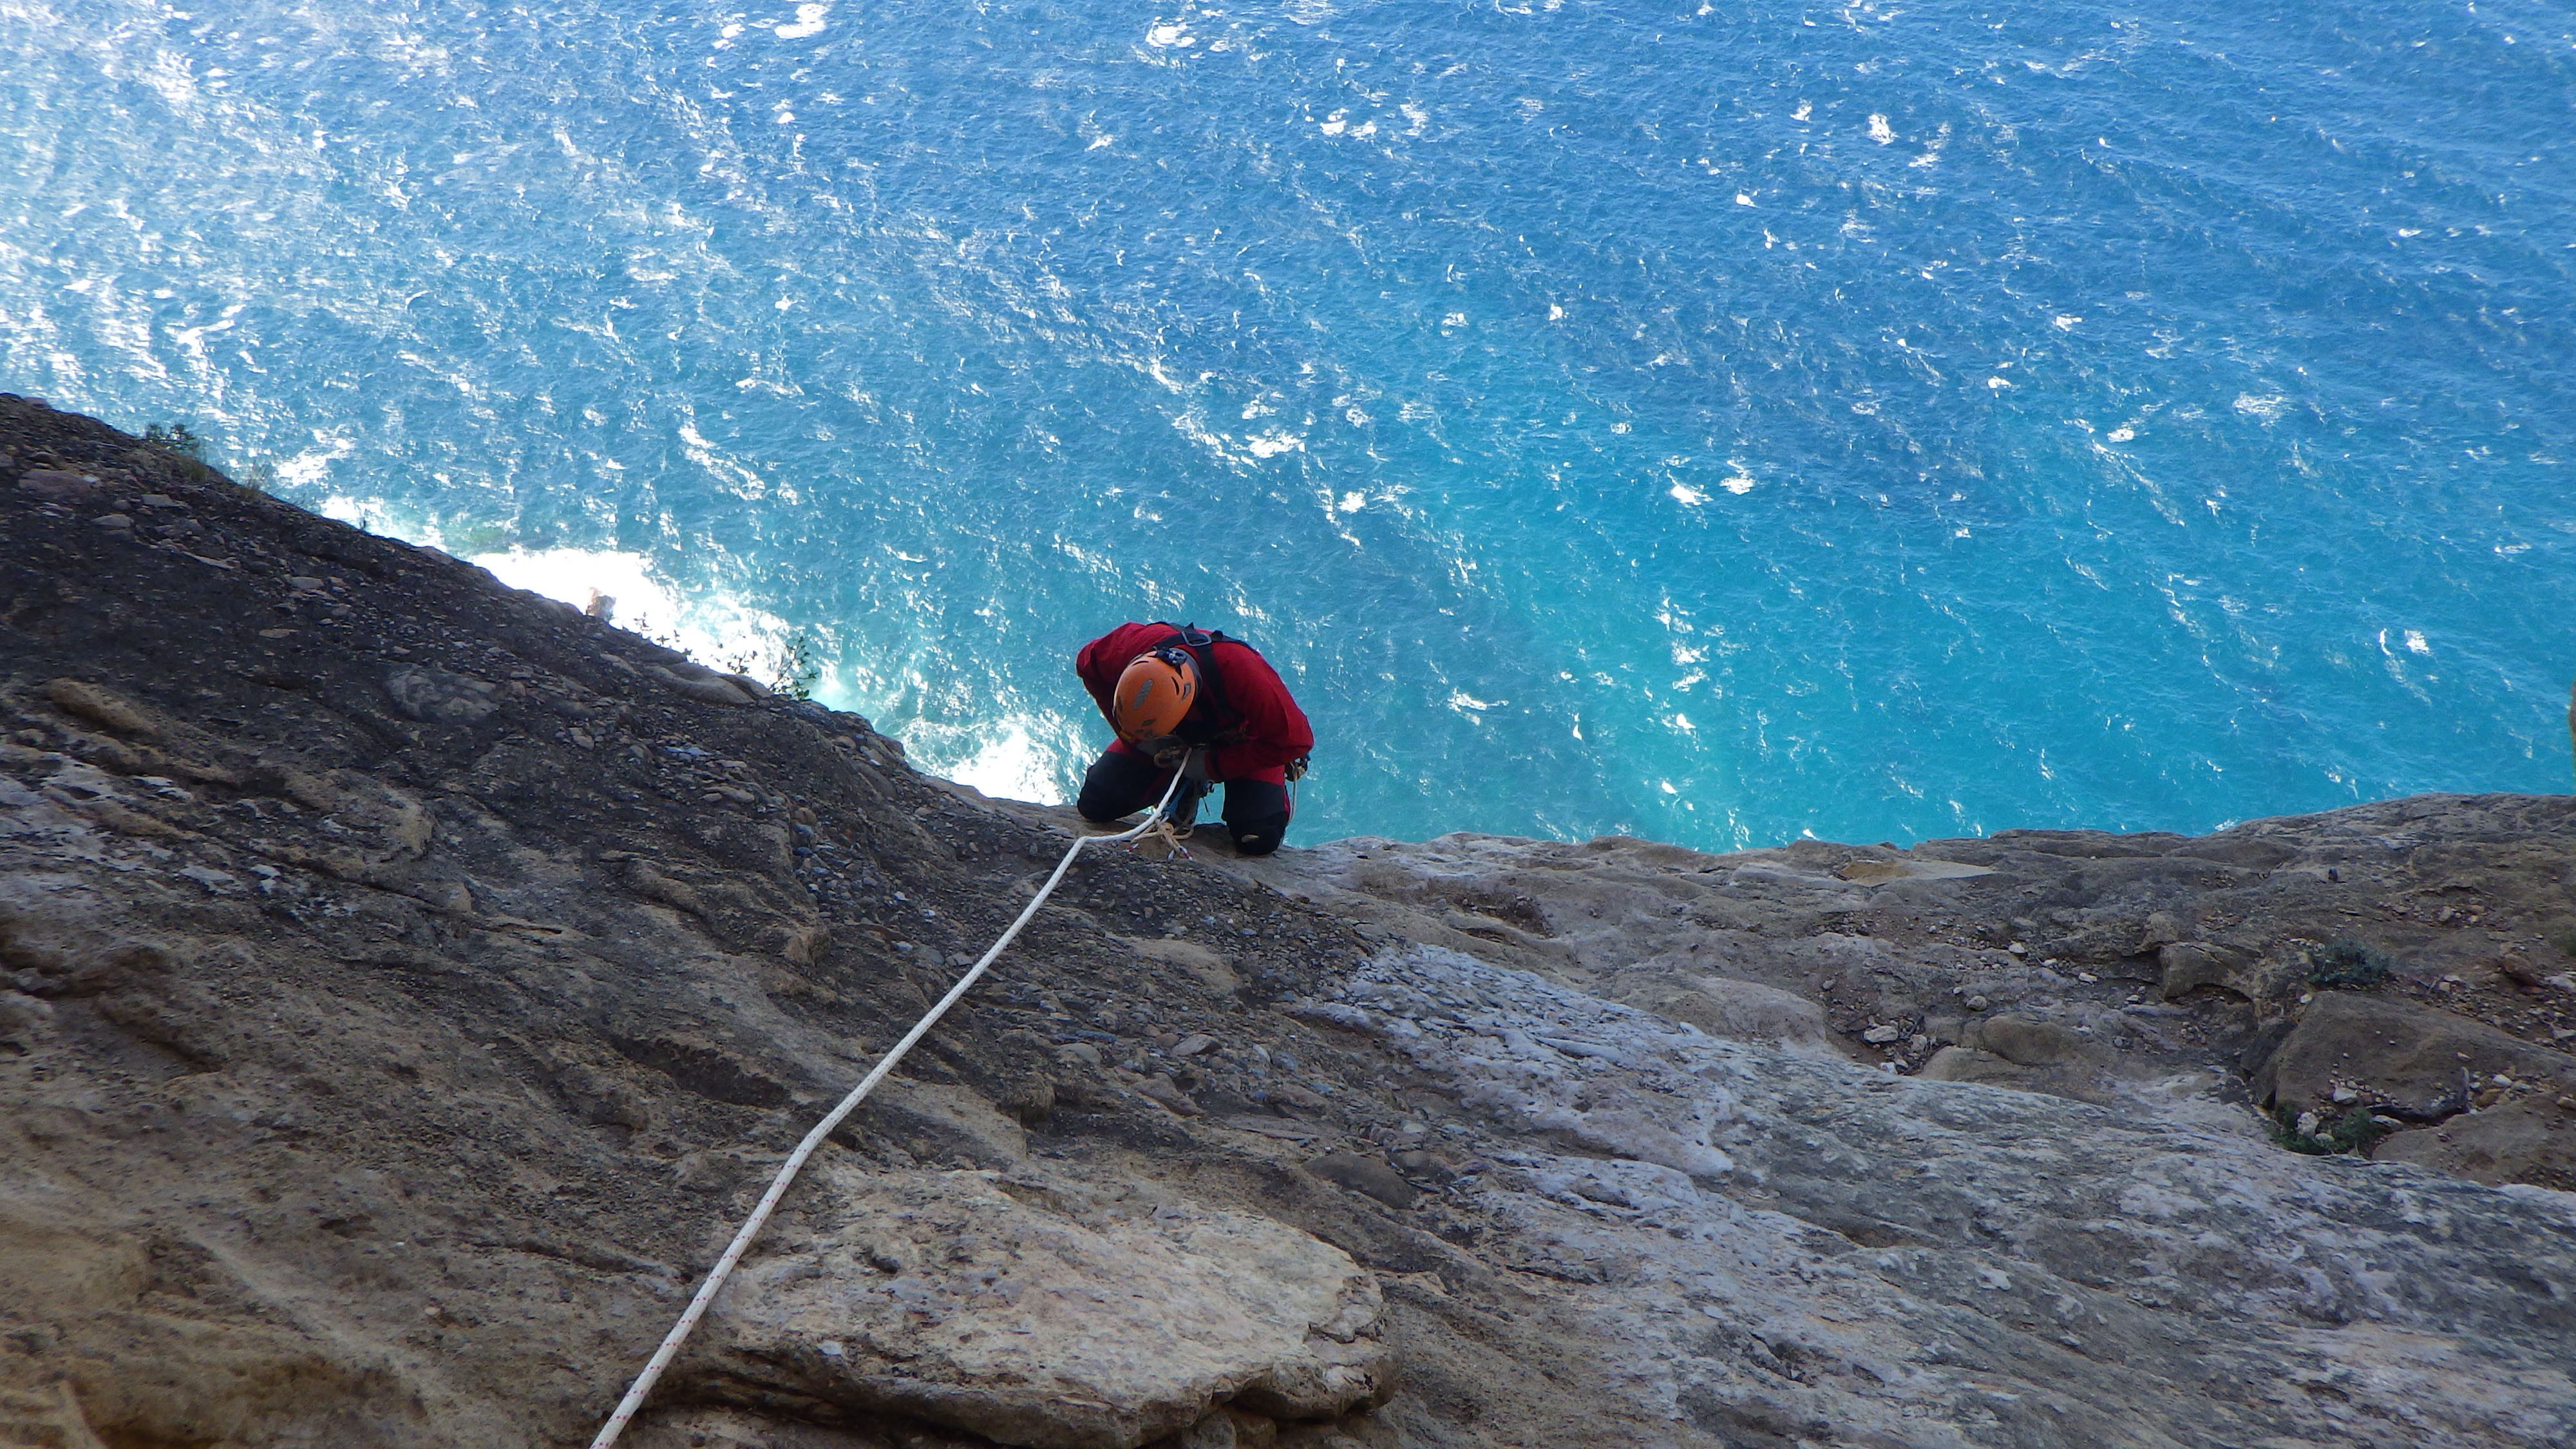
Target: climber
1194, 700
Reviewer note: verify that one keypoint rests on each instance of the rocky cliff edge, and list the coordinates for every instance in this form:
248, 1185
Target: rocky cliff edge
407, 983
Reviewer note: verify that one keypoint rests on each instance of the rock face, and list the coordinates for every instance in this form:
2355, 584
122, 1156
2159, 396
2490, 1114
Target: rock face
2416, 1062
991, 1303
1788, 1248
407, 984
2380, 952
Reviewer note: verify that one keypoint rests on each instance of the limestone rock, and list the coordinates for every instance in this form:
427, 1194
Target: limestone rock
56, 485
2024, 1041
1366, 1176
1189, 956
1723, 1006
2424, 1061
805, 945
2063, 1264
2529, 1141
2187, 966
102, 707
1969, 1064
707, 686
1877, 872
1030, 1325
438, 696
946, 1121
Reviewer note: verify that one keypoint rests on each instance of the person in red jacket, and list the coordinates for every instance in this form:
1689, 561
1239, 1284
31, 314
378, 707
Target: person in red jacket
1189, 697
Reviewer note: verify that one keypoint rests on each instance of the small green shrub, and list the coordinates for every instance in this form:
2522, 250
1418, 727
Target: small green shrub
2352, 1131
798, 670
2565, 941
176, 438
2347, 963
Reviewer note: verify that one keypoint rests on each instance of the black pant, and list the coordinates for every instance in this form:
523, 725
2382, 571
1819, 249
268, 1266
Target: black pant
1120, 783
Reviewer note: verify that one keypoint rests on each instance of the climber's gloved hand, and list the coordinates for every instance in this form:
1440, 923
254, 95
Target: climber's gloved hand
1168, 750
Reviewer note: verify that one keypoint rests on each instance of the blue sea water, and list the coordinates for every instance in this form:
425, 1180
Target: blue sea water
1712, 422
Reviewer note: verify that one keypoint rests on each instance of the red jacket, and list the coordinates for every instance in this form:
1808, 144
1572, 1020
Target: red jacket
1272, 730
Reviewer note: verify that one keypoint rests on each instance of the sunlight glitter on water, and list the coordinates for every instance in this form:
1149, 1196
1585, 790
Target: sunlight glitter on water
2105, 473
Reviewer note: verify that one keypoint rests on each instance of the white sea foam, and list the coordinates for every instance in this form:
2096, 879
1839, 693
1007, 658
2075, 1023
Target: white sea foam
1013, 765
314, 464
742, 482
1685, 494
809, 21
366, 513
711, 626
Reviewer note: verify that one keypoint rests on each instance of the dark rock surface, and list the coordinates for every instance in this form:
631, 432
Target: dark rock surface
406, 984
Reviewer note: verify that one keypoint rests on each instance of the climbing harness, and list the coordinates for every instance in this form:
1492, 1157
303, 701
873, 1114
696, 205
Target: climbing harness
679, 1334
1162, 825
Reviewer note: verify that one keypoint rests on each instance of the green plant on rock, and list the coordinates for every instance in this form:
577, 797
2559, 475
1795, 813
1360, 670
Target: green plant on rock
2347, 963
798, 669
2354, 1131
643, 627
176, 438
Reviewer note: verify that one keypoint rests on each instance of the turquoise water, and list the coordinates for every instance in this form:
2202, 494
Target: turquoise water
1711, 422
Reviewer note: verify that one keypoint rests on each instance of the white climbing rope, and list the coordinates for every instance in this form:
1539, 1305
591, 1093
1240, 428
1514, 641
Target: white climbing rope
795, 1162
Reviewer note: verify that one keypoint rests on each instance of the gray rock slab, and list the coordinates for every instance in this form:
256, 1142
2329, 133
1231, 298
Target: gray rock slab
994, 1306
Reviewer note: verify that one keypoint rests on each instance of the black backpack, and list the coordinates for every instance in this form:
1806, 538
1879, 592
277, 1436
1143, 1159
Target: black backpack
1225, 724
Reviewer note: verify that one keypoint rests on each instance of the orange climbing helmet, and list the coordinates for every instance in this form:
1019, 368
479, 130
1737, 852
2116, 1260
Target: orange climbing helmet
1155, 692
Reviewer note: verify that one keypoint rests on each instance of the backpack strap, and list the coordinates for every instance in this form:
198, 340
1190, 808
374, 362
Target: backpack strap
1201, 643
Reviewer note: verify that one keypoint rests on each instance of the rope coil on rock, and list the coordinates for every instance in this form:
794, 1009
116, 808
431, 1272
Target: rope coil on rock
723, 1270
